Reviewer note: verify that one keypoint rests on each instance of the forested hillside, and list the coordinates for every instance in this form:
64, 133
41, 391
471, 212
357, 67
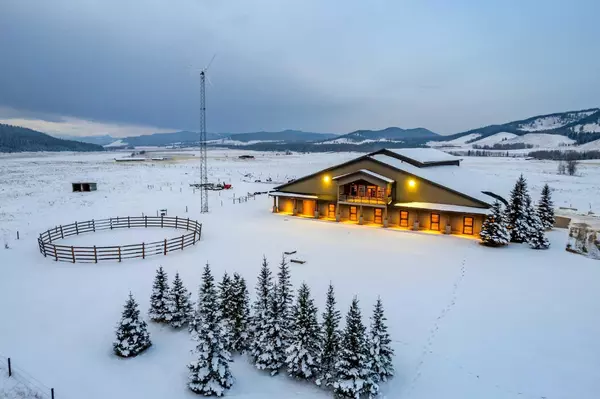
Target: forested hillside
19, 139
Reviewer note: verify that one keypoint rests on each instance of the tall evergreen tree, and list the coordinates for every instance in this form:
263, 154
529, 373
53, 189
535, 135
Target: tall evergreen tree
304, 349
210, 374
494, 231
331, 339
260, 308
159, 299
380, 351
285, 298
227, 308
545, 208
180, 308
239, 339
269, 352
132, 332
537, 238
354, 376
517, 211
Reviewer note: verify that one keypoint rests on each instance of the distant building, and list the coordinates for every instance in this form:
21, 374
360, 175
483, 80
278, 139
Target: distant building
83, 187
246, 157
415, 188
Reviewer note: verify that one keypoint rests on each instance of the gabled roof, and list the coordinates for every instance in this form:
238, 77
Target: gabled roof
446, 174
366, 172
421, 157
452, 177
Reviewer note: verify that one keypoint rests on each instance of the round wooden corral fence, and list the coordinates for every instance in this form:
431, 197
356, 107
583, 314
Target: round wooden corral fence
94, 254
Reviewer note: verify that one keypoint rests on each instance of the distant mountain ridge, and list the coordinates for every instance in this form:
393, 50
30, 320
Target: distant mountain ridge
388, 134
582, 126
20, 139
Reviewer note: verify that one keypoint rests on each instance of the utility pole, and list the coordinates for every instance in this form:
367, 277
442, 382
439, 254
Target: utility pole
203, 157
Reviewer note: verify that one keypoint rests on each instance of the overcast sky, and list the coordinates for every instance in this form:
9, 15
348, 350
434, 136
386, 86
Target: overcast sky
130, 66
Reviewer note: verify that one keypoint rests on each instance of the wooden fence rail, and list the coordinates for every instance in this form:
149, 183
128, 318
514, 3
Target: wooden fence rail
95, 254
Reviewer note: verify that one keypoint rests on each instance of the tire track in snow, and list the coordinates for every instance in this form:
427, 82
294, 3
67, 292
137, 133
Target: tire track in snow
436, 326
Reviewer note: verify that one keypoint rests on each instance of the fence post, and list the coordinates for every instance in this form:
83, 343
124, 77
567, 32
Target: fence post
55, 254
95, 255
51, 393
176, 222
94, 225
128, 225
143, 251
145, 221
186, 209
165, 246
61, 232
49, 236
119, 253
161, 221
17, 234
73, 253
182, 242
110, 223
76, 228
187, 225
9, 368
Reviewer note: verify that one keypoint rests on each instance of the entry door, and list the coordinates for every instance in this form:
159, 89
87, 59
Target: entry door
300, 207
378, 213
468, 225
331, 211
435, 222
353, 213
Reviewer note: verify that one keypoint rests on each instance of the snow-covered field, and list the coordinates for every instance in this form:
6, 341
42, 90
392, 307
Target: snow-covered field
467, 321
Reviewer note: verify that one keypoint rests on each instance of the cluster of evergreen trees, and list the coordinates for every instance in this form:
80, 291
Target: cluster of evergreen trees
278, 332
520, 221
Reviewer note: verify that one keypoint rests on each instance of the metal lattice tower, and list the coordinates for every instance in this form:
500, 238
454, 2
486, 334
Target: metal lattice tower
203, 158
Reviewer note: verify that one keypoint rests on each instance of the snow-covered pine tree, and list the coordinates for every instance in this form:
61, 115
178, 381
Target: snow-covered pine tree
494, 231
180, 307
241, 318
545, 208
226, 308
354, 376
331, 339
209, 374
537, 237
269, 351
132, 332
380, 351
159, 298
286, 299
304, 349
260, 308
517, 211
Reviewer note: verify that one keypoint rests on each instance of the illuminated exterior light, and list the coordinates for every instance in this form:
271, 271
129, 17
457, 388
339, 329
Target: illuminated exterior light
326, 179
412, 183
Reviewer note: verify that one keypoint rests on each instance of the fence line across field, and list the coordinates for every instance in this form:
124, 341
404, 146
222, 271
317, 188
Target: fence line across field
22, 383
95, 254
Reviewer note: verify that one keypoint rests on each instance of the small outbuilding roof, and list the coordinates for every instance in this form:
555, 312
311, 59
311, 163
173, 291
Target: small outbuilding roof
424, 155
367, 172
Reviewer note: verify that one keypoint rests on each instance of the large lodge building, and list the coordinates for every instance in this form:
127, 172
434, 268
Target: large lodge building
414, 188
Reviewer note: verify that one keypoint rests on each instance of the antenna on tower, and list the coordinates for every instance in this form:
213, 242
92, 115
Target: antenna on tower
203, 157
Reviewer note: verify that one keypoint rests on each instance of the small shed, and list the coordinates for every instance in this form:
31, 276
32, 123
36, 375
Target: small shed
83, 187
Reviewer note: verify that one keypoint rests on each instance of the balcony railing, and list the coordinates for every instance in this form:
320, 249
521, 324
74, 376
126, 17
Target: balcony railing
365, 200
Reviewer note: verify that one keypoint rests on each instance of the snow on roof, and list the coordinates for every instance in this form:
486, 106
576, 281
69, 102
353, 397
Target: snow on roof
293, 195
424, 155
450, 176
367, 172
443, 207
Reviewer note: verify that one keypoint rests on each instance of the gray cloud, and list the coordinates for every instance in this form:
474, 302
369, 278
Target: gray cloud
312, 65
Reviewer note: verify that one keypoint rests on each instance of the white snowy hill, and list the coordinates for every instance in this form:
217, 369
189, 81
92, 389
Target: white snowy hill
542, 140
495, 139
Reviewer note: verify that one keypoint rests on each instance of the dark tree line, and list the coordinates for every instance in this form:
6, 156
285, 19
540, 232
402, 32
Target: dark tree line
500, 146
558, 155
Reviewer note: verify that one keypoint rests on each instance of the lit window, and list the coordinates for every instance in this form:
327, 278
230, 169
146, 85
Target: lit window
403, 218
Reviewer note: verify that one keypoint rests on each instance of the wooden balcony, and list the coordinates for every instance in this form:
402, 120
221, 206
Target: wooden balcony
365, 200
